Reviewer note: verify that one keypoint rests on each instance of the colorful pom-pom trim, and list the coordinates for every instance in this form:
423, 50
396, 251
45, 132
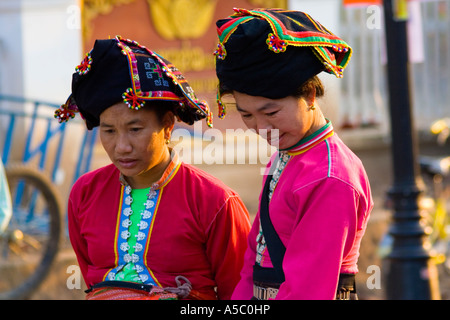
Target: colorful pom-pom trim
209, 119
67, 111
220, 52
339, 49
132, 100
85, 65
276, 44
209, 116
222, 111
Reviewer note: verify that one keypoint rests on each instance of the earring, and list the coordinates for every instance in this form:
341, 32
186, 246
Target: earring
167, 141
313, 107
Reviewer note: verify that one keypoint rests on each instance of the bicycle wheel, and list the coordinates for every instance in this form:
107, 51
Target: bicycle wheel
30, 243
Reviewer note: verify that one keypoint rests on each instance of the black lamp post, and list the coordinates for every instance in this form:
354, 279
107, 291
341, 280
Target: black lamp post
411, 273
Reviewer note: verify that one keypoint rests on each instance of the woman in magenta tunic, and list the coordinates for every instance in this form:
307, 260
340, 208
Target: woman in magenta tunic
148, 226
316, 200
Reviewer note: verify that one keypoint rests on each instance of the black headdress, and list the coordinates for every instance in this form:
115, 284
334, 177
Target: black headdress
272, 52
118, 70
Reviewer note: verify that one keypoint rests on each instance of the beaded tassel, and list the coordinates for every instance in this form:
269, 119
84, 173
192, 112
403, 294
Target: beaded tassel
209, 119
132, 100
220, 52
221, 106
276, 44
85, 65
66, 111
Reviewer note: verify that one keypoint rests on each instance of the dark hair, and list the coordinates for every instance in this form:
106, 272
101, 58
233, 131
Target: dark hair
161, 108
302, 91
306, 88
223, 89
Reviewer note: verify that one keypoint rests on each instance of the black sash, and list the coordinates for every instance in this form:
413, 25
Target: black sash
122, 285
274, 245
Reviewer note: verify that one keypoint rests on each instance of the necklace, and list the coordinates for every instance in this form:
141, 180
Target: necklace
261, 245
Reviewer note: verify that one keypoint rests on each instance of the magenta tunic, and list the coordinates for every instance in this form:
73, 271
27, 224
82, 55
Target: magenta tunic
319, 207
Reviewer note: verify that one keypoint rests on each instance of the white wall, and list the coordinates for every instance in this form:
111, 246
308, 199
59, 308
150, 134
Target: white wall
40, 45
52, 47
327, 13
11, 79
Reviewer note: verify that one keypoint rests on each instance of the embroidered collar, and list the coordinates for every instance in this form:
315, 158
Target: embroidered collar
312, 140
168, 174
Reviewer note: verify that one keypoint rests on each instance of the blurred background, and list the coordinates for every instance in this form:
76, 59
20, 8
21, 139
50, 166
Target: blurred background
41, 42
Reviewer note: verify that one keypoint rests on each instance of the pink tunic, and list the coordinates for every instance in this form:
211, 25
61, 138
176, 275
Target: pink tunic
319, 208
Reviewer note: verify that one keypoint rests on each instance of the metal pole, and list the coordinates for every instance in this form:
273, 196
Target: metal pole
411, 274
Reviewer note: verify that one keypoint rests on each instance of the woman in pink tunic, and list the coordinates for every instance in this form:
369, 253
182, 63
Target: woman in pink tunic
316, 200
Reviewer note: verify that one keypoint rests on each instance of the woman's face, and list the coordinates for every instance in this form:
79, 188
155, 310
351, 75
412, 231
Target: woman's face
286, 120
135, 142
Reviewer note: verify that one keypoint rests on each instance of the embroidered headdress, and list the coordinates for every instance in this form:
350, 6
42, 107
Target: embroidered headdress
272, 52
118, 70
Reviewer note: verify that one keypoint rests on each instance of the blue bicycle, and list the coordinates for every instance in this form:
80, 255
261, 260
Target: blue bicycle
32, 145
